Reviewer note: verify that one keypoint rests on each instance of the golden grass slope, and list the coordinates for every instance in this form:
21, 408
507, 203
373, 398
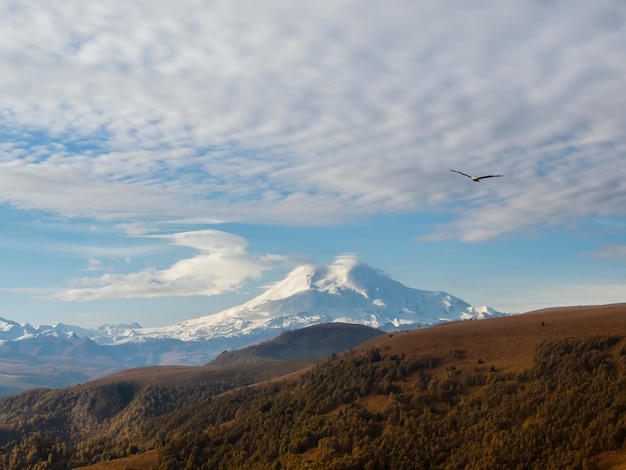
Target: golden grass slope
507, 343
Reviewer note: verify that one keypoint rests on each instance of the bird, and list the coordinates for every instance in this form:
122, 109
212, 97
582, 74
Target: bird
476, 179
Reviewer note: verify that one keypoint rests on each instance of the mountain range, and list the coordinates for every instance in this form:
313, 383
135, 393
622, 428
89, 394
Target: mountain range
346, 291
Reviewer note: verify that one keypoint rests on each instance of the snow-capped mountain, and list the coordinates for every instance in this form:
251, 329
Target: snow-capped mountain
346, 291
11, 331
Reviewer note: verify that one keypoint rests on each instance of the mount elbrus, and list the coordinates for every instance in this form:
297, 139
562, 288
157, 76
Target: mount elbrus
345, 291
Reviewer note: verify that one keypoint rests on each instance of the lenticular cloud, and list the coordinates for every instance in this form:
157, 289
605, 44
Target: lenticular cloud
221, 264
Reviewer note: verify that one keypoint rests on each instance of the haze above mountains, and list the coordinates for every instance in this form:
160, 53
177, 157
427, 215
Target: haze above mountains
345, 291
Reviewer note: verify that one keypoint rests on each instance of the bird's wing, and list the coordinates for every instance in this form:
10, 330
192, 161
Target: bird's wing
488, 176
461, 173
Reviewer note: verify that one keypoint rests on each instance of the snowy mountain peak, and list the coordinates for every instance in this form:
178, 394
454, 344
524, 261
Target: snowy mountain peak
345, 273
346, 290
10, 330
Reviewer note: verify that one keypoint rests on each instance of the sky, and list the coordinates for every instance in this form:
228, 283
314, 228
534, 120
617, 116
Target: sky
161, 161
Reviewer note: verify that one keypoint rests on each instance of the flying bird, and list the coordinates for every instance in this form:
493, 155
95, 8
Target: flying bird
475, 178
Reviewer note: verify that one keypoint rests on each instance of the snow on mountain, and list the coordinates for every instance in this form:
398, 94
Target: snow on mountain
12, 331
345, 291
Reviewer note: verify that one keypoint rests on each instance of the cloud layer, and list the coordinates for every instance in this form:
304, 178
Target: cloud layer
220, 264
313, 113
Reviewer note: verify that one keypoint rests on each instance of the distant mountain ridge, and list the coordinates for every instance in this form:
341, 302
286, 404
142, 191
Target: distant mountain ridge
345, 291
317, 341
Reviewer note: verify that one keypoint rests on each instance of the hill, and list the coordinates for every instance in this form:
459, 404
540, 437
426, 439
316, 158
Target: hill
316, 341
546, 389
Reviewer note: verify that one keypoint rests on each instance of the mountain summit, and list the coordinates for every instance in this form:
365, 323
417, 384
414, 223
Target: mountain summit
346, 291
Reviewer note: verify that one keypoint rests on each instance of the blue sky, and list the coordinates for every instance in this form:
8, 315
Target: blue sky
160, 162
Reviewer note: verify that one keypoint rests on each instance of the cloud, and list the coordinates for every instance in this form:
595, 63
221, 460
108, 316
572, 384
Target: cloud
221, 264
614, 251
317, 112
95, 265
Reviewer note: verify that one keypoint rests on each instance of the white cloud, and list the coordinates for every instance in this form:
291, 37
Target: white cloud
95, 265
221, 264
314, 112
614, 251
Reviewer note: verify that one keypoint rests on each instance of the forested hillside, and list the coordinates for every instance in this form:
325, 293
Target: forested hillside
378, 411
544, 390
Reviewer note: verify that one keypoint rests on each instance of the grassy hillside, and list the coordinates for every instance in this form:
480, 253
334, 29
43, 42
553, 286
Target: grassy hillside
541, 390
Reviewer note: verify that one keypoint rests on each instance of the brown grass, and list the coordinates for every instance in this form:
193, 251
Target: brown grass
507, 343
611, 460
